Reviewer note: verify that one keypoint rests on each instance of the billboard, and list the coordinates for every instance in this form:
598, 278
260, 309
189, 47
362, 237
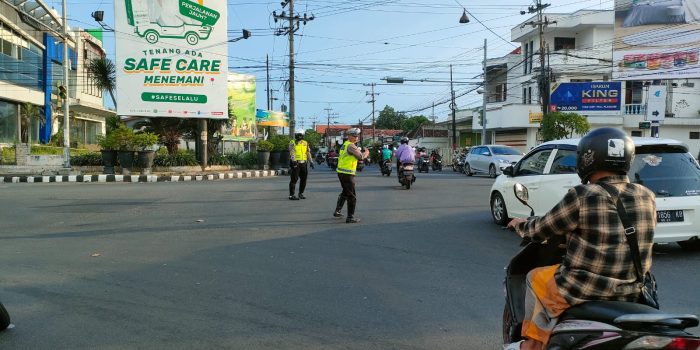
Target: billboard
241, 107
656, 39
587, 98
171, 58
272, 118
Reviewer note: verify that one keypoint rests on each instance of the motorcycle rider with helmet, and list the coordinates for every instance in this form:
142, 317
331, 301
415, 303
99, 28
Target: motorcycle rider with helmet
404, 154
598, 264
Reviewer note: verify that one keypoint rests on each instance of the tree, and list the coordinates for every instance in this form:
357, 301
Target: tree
390, 119
414, 123
103, 75
169, 130
557, 125
313, 138
29, 114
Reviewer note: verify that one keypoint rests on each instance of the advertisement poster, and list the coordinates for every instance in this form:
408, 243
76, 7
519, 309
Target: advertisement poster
656, 39
241, 107
272, 118
171, 58
656, 103
587, 98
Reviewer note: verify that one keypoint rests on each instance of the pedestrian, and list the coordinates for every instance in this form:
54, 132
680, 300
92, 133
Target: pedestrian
347, 165
299, 160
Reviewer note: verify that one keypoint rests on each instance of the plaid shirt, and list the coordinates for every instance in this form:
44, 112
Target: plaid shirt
598, 263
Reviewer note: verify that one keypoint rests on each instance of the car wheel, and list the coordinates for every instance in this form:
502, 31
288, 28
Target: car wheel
498, 209
468, 169
152, 37
192, 38
492, 171
691, 244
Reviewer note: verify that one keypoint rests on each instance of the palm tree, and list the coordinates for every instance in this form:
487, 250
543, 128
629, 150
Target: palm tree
103, 73
29, 114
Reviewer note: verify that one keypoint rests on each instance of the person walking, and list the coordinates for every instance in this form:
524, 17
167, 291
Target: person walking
347, 164
299, 158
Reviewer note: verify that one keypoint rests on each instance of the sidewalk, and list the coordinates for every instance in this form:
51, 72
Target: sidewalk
211, 176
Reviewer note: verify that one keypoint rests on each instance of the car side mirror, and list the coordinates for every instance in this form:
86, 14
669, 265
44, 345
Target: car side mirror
523, 196
508, 171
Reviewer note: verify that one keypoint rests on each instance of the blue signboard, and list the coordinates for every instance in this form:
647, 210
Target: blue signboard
601, 97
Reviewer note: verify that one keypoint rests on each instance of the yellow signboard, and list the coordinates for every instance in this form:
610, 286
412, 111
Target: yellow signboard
534, 117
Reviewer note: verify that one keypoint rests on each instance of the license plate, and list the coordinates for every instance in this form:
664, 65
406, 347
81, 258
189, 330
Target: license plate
669, 216
408, 168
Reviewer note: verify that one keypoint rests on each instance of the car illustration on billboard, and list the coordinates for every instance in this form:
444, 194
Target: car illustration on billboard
154, 19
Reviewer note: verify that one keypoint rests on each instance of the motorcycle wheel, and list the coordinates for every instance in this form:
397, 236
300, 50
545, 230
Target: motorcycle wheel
4, 318
408, 185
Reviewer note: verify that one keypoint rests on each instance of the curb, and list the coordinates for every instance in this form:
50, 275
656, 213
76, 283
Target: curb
141, 178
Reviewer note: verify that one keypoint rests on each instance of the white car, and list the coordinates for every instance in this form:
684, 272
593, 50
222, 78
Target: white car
662, 165
490, 159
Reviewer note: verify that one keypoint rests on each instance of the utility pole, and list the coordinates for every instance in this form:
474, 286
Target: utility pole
269, 96
483, 104
66, 84
541, 23
328, 125
453, 106
294, 20
372, 101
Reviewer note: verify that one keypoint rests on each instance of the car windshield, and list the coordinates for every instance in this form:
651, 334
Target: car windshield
505, 151
668, 173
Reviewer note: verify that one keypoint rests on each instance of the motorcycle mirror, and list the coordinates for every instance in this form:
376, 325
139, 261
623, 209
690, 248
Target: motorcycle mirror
523, 196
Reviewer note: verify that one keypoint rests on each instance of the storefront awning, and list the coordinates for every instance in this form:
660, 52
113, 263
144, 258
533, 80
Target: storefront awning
100, 112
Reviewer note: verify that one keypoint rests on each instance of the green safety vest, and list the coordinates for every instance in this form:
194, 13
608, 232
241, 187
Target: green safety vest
300, 150
347, 163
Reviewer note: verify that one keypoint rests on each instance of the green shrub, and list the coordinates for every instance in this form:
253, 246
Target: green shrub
264, 145
8, 155
181, 158
280, 142
143, 141
219, 159
87, 159
57, 151
248, 160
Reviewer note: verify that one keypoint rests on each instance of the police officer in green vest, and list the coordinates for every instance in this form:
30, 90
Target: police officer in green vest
299, 157
347, 165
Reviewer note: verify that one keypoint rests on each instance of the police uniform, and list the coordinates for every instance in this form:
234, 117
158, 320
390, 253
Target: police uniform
347, 166
300, 155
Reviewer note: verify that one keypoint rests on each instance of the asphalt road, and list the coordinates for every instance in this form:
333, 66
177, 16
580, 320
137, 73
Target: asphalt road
236, 265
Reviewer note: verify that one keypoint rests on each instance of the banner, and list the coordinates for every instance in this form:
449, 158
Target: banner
587, 98
272, 118
172, 58
656, 103
241, 107
656, 39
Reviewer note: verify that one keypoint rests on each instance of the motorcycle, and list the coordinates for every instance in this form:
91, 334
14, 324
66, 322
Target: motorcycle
360, 165
406, 177
458, 163
437, 164
594, 325
423, 164
320, 158
386, 167
332, 162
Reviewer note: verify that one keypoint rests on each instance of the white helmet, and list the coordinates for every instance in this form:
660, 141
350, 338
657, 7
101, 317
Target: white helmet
299, 134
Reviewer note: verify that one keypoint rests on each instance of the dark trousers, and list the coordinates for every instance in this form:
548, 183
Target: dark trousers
347, 182
301, 171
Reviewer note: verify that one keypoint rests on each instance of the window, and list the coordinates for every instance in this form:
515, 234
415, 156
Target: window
524, 95
636, 133
499, 94
564, 44
564, 162
8, 122
581, 80
6, 48
530, 57
529, 95
694, 135
526, 54
534, 164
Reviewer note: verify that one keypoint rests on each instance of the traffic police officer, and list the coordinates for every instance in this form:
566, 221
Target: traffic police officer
347, 165
299, 157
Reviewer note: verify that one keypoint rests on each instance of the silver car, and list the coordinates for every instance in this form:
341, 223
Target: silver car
490, 159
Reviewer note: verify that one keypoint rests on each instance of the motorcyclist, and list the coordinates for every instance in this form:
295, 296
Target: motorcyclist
598, 264
404, 154
435, 157
386, 154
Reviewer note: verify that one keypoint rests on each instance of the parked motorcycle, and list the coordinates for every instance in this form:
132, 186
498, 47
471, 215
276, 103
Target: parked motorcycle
594, 325
406, 177
386, 167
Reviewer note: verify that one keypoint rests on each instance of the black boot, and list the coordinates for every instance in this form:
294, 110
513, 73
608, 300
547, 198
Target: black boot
351, 212
339, 207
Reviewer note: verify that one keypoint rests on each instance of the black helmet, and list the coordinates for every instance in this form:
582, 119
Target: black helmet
604, 149
404, 140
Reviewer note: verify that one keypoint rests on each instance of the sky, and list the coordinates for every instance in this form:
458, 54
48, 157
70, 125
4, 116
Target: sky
351, 44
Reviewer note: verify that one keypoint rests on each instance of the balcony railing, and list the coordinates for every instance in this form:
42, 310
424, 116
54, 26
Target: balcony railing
635, 109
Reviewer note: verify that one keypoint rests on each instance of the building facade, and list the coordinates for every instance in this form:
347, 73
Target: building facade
578, 48
31, 71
